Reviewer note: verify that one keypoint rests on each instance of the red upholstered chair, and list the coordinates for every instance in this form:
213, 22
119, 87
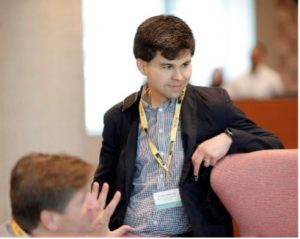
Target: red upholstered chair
259, 190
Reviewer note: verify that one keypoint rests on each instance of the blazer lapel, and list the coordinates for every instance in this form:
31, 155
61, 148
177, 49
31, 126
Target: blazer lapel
189, 131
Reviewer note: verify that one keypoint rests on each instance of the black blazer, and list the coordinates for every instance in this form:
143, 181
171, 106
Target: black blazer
206, 112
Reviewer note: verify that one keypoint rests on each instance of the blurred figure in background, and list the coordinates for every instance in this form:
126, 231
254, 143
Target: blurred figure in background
51, 197
261, 82
217, 79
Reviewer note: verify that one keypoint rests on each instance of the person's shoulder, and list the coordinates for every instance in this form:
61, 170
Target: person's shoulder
124, 105
268, 70
207, 92
115, 108
241, 78
213, 97
130, 100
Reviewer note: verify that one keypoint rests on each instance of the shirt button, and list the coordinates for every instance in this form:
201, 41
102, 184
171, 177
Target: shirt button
162, 153
160, 110
161, 175
160, 131
155, 222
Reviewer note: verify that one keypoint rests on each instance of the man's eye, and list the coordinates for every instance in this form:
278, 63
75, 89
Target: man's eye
167, 66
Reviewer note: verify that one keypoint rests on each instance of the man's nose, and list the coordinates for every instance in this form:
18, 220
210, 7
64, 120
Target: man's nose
177, 75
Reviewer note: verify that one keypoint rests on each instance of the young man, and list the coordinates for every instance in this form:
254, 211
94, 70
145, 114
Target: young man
51, 197
155, 141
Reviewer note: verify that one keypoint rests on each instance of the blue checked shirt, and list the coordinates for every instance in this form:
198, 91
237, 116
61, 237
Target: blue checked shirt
150, 178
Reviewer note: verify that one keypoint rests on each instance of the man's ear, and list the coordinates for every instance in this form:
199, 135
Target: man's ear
50, 220
142, 66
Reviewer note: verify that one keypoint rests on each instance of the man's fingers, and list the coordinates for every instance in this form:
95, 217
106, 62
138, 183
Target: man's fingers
110, 208
120, 231
114, 202
207, 162
92, 201
103, 195
197, 159
95, 190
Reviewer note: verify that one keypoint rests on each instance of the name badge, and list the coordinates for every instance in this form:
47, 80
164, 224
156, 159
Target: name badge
167, 199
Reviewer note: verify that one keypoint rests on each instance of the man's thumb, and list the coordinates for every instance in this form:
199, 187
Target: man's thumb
120, 231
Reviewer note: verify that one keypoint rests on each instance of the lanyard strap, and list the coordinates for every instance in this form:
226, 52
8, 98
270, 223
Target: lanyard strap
173, 134
17, 230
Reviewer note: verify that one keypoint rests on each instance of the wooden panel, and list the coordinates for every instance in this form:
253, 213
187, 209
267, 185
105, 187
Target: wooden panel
279, 116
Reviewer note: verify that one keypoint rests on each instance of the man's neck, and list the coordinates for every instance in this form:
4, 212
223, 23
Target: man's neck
151, 99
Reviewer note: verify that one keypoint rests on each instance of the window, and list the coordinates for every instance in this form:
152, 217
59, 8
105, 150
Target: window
224, 32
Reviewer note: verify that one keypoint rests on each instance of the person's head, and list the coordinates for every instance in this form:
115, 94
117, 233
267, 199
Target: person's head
163, 47
257, 55
49, 194
217, 78
166, 34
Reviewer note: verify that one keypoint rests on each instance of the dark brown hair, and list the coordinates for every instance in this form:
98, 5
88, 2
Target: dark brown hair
165, 33
45, 182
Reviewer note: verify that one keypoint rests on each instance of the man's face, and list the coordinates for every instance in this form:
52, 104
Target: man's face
256, 56
166, 78
79, 216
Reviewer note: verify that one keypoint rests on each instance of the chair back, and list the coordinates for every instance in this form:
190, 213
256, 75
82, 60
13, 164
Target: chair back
260, 191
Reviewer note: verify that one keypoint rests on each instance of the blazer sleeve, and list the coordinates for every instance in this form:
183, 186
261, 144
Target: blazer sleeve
247, 136
110, 147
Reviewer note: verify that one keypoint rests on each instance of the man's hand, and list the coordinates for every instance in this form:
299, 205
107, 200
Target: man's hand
104, 214
210, 151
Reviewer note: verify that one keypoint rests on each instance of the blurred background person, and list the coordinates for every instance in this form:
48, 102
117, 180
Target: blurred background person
261, 82
217, 79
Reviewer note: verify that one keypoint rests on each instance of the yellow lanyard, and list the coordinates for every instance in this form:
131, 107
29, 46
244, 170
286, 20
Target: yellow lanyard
174, 128
17, 230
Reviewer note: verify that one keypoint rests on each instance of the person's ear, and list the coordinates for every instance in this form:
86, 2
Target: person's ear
142, 66
50, 220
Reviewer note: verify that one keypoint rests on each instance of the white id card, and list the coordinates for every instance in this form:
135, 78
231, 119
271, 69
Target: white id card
167, 199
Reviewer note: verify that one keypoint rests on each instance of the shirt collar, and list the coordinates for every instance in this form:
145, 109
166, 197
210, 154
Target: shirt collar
147, 101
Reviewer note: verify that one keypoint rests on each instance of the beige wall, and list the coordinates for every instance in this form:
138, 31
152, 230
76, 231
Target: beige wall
277, 28
41, 86
266, 27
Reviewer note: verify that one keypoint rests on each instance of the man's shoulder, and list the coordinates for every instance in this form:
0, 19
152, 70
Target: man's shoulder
206, 92
269, 73
124, 105
130, 100
200, 98
241, 78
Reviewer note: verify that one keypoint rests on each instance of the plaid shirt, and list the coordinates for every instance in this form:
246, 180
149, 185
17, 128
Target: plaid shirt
150, 178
